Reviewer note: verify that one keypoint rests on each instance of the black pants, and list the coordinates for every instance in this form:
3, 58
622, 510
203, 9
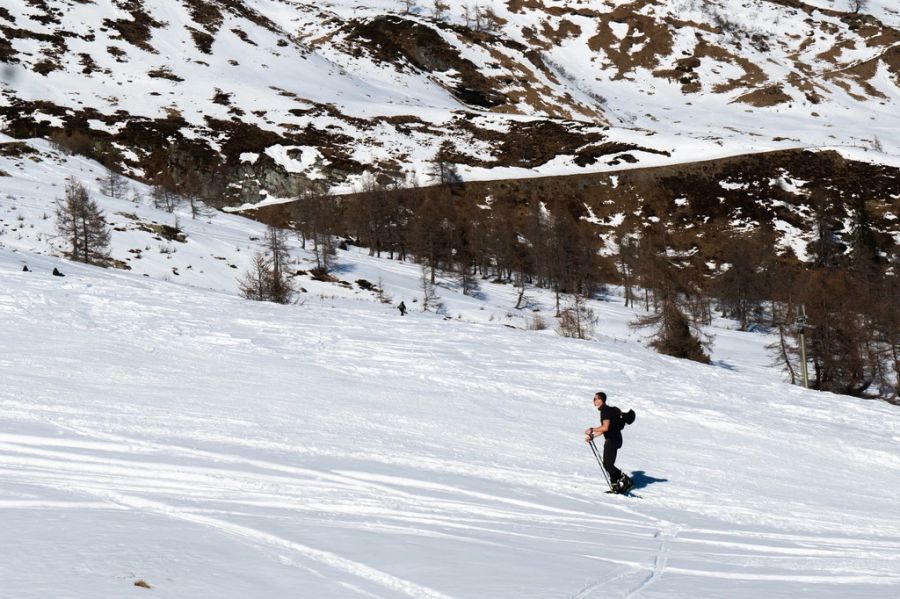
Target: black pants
610, 449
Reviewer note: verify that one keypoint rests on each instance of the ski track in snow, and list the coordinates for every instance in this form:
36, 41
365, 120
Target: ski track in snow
659, 561
327, 558
115, 468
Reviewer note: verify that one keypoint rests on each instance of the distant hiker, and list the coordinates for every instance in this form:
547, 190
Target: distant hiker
611, 424
56, 273
25, 268
402, 308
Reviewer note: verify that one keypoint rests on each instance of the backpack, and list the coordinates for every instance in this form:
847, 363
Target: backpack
621, 418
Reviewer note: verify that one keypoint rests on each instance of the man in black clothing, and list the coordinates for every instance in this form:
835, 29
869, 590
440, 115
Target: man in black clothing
611, 429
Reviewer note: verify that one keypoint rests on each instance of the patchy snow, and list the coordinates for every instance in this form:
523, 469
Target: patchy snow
289, 80
590, 217
616, 219
54, 121
101, 126
885, 10
732, 186
793, 238
281, 155
620, 30
794, 186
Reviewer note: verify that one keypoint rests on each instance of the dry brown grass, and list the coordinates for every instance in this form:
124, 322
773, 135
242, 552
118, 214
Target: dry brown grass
892, 59
164, 73
848, 88
753, 75
205, 13
538, 5
524, 87
655, 39
16, 149
806, 85
393, 40
138, 30
861, 74
771, 95
202, 40
831, 54
563, 31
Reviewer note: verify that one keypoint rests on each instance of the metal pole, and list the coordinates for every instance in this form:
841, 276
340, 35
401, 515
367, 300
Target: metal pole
801, 321
599, 461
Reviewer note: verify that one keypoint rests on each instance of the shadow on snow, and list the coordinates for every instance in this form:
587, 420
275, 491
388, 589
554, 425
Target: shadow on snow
641, 479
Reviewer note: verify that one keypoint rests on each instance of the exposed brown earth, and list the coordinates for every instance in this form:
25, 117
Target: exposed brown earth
206, 14
767, 96
653, 38
202, 40
16, 149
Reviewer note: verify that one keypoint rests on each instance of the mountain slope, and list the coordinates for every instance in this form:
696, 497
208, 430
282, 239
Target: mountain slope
237, 98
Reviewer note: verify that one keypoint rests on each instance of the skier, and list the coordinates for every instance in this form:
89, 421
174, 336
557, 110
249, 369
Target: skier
611, 429
402, 308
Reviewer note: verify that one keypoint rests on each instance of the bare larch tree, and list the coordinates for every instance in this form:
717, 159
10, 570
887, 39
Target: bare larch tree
81, 222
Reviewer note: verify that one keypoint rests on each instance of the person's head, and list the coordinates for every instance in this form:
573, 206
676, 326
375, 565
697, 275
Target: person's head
599, 399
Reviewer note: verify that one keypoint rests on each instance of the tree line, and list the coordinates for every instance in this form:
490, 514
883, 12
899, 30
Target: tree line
847, 282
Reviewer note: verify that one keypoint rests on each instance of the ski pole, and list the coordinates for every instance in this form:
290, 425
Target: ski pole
599, 461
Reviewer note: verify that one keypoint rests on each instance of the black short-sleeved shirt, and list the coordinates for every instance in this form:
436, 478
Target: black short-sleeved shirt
608, 412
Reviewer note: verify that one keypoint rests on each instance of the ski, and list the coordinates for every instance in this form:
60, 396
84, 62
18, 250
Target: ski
626, 494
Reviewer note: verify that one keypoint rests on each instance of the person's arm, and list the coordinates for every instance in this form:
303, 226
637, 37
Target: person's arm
597, 431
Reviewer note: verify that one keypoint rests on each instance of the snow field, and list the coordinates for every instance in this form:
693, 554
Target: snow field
214, 446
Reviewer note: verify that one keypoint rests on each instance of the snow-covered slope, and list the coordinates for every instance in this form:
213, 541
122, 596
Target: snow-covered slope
169, 431
269, 94
215, 249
